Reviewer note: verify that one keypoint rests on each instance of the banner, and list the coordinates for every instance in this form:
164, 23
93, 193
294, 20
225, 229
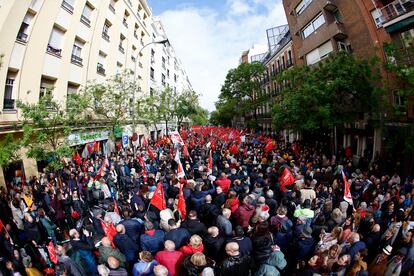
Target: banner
176, 138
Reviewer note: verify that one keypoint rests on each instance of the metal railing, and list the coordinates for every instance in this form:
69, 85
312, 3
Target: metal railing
22, 37
8, 104
85, 20
125, 23
105, 36
54, 51
396, 9
121, 49
68, 7
76, 60
100, 69
111, 8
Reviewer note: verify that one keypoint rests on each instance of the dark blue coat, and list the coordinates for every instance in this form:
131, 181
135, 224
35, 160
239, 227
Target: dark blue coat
127, 246
132, 229
179, 236
153, 243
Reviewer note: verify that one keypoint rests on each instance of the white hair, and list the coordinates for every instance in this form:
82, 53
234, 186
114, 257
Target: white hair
160, 270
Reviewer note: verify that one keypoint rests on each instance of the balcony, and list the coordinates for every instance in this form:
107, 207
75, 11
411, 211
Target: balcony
136, 35
67, 7
105, 36
142, 42
111, 8
76, 60
395, 9
125, 23
85, 20
54, 51
100, 69
121, 49
22, 37
133, 58
8, 104
330, 6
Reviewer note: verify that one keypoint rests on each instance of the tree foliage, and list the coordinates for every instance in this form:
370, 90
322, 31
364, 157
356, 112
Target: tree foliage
9, 148
335, 91
187, 105
241, 92
200, 117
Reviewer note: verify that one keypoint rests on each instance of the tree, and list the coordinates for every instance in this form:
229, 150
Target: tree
223, 115
45, 126
335, 91
200, 117
9, 148
242, 88
187, 105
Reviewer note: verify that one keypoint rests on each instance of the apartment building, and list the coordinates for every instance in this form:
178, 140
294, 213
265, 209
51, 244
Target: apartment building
60, 45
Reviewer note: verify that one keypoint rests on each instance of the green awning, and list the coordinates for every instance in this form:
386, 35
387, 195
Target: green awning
400, 24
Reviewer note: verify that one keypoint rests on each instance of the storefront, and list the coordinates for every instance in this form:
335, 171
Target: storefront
84, 140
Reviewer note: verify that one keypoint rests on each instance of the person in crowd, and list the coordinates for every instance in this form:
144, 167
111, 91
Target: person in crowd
170, 258
195, 264
195, 245
145, 264
106, 250
234, 264
85, 249
152, 240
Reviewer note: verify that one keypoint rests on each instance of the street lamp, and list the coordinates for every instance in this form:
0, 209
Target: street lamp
163, 42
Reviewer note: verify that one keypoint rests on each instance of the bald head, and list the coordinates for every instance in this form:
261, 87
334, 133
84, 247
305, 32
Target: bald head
120, 229
169, 245
213, 231
106, 242
376, 228
113, 263
208, 198
232, 249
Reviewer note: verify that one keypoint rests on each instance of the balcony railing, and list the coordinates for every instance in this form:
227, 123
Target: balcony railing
121, 49
133, 58
76, 60
8, 104
111, 8
85, 20
105, 36
100, 69
125, 23
68, 7
396, 9
22, 37
54, 51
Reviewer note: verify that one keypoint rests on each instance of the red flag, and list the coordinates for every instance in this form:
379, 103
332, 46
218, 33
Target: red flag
181, 203
99, 173
150, 153
109, 230
144, 142
52, 253
185, 150
158, 199
76, 157
1, 226
347, 191
270, 145
286, 179
95, 146
142, 164
116, 210
180, 170
210, 163
90, 147
234, 149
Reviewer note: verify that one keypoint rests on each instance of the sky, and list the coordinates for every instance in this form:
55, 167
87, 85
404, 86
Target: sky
210, 35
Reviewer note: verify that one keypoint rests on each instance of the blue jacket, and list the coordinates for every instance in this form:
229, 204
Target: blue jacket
303, 248
179, 236
126, 245
132, 228
153, 243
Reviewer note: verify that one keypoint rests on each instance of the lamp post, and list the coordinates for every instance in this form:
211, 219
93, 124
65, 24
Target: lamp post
164, 41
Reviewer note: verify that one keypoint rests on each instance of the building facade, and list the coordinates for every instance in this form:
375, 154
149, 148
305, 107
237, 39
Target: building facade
58, 46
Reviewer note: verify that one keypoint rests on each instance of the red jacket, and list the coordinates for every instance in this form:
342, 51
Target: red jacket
243, 215
224, 183
189, 249
171, 260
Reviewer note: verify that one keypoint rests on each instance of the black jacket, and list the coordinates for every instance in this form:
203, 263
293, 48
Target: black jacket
213, 246
194, 226
235, 266
190, 269
262, 247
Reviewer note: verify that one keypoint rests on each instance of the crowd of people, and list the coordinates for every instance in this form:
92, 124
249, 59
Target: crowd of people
214, 203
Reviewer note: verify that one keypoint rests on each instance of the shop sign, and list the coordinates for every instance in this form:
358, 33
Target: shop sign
87, 137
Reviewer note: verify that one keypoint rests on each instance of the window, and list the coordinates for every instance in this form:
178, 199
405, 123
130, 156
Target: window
118, 67
313, 26
136, 30
24, 28
168, 73
283, 62
55, 41
163, 79
101, 63
290, 61
398, 100
68, 5
163, 62
407, 38
112, 6
151, 91
302, 6
377, 16
337, 16
46, 87
175, 77
152, 73
77, 52
152, 56
319, 53
125, 20
121, 44
72, 88
278, 65
8, 101
105, 30
87, 15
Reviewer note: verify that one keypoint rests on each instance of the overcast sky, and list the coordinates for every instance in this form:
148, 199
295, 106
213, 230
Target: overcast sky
210, 35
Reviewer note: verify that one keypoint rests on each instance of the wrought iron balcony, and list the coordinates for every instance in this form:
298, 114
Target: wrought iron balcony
8, 104
85, 20
76, 60
68, 7
396, 9
100, 69
111, 8
22, 37
121, 49
125, 22
54, 51
105, 36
